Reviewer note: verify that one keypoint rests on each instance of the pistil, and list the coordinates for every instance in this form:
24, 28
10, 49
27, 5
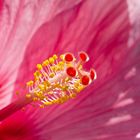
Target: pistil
56, 80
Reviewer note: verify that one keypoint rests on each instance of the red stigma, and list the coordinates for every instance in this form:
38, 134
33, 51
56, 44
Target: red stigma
83, 56
71, 71
68, 57
85, 80
92, 74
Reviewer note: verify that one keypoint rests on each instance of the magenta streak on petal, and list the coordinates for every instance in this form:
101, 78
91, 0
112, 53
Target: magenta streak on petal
17, 130
1, 4
14, 107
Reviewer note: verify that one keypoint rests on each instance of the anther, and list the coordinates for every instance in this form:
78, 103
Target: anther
30, 83
39, 66
45, 63
57, 80
55, 57
51, 60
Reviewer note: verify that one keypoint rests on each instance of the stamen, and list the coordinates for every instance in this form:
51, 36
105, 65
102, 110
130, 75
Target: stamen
59, 79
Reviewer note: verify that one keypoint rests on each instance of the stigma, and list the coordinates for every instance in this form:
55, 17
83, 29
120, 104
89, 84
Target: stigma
60, 78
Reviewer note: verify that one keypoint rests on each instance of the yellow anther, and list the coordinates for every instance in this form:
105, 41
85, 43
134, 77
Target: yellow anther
35, 99
46, 83
61, 63
52, 68
60, 101
55, 57
37, 74
76, 84
79, 88
28, 95
57, 85
30, 83
64, 98
64, 88
57, 68
45, 63
50, 92
41, 87
51, 75
39, 66
67, 79
40, 95
73, 95
69, 65
62, 56
55, 101
42, 106
40, 92
36, 79
51, 60
37, 94
47, 103
80, 67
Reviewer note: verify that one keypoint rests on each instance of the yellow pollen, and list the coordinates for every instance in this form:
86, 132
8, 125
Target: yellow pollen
46, 83
39, 66
52, 68
30, 83
28, 95
62, 56
57, 81
55, 57
51, 60
72, 95
47, 103
67, 79
64, 88
61, 63
37, 74
42, 106
50, 92
45, 63
41, 87
51, 75
35, 99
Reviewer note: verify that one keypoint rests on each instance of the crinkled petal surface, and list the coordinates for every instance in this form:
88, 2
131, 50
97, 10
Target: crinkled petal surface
106, 110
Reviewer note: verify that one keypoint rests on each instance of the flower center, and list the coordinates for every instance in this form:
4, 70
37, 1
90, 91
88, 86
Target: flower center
59, 79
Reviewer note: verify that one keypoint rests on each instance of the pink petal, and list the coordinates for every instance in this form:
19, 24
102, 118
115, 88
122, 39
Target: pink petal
105, 110
68, 31
18, 24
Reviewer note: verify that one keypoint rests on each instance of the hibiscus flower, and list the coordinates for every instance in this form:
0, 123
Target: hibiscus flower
32, 31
